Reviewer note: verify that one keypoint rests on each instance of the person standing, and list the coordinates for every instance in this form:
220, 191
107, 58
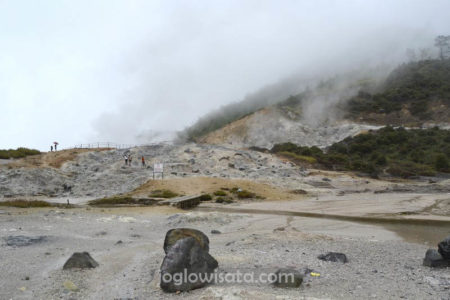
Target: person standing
143, 161
129, 160
126, 159
51, 148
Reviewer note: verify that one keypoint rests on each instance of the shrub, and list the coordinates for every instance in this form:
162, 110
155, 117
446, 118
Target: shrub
220, 193
116, 200
205, 197
225, 200
442, 164
163, 194
18, 153
400, 152
244, 194
26, 203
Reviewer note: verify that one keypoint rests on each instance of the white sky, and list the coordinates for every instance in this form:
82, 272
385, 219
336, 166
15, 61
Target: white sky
87, 71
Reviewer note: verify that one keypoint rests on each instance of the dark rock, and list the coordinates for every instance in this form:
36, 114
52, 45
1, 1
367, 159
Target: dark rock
326, 179
67, 187
119, 242
81, 260
287, 278
173, 235
188, 257
195, 171
214, 231
22, 241
434, 259
444, 248
299, 192
334, 257
230, 165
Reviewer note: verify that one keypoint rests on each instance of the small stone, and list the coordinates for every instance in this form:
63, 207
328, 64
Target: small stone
214, 231
69, 285
287, 278
334, 257
119, 242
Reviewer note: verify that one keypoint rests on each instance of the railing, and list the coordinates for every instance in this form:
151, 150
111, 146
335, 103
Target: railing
114, 145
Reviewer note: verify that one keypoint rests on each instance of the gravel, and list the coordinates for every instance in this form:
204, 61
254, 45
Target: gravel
383, 268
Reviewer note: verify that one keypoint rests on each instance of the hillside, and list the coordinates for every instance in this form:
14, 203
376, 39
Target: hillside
414, 94
388, 151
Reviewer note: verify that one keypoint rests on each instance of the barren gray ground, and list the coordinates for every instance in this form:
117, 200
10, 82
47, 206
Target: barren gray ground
385, 259
381, 265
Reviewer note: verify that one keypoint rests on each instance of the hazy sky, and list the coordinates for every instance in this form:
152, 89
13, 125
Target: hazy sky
87, 71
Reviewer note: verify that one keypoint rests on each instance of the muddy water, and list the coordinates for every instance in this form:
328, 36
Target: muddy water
420, 231
421, 234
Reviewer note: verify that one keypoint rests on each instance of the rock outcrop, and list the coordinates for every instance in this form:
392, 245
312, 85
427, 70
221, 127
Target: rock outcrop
444, 248
187, 264
438, 258
80, 260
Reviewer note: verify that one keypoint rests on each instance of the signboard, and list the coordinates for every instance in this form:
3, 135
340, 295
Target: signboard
158, 168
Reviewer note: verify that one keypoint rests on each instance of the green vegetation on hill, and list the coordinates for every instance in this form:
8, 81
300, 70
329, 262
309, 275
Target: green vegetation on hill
18, 153
398, 152
413, 86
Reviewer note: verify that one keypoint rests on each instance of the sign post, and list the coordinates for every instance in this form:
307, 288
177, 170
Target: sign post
158, 168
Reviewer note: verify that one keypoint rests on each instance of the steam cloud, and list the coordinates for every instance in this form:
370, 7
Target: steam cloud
126, 72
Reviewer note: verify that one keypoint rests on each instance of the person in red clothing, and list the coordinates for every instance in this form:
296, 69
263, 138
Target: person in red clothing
143, 161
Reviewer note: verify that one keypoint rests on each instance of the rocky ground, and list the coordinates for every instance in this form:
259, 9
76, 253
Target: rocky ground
385, 260
103, 173
262, 129
128, 245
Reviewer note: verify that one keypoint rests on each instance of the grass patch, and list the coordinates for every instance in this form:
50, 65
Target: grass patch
163, 194
220, 193
297, 157
205, 197
26, 203
225, 200
17, 153
121, 200
113, 201
244, 194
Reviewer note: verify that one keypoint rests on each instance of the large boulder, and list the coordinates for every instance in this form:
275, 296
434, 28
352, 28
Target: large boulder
187, 264
334, 257
173, 235
444, 248
80, 260
434, 259
288, 278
